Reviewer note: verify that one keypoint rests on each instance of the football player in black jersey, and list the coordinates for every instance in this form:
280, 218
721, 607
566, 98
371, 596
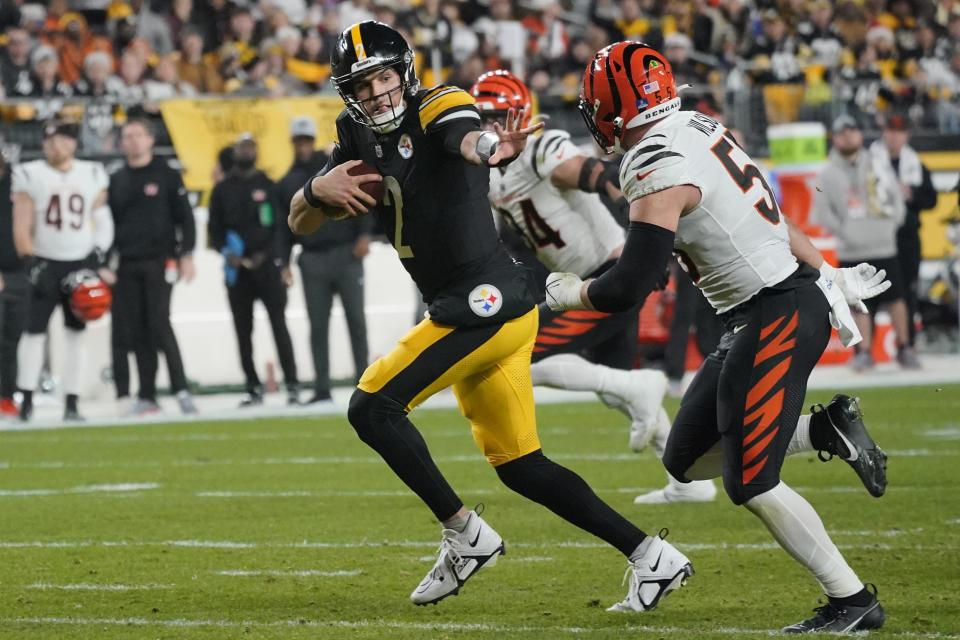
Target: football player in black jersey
433, 157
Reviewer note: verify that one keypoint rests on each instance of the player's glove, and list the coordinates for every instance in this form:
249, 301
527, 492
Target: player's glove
34, 267
563, 291
858, 283
840, 317
95, 259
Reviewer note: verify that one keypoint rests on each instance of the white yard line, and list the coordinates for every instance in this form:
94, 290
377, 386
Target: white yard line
98, 587
297, 573
413, 544
328, 460
435, 626
90, 488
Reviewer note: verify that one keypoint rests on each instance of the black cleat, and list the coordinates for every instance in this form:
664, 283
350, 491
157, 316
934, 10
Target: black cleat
841, 618
840, 425
70, 414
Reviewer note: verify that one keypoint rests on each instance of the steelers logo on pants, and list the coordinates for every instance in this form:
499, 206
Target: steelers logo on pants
485, 300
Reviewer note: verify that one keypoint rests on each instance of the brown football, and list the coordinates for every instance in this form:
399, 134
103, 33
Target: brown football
373, 189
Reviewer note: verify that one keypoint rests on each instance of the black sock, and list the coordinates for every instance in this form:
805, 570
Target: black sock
27, 398
823, 435
542, 480
72, 401
860, 599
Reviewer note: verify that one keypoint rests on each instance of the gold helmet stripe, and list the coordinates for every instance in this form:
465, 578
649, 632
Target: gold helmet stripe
357, 42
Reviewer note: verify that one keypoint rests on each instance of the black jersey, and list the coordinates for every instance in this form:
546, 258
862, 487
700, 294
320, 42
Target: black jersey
435, 209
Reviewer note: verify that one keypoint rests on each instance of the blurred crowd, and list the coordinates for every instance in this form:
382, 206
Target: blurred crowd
870, 55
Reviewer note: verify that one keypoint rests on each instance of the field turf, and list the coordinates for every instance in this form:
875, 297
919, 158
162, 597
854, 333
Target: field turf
292, 528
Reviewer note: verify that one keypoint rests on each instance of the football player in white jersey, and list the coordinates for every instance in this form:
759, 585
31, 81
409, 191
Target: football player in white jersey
693, 191
61, 225
549, 196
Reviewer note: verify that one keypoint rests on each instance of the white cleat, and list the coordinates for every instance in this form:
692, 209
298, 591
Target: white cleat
461, 555
662, 569
638, 395
696, 491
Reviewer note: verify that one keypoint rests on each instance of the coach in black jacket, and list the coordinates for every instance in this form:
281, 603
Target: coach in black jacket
246, 204
154, 236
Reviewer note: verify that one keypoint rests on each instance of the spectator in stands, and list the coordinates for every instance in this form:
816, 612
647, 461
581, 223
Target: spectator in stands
245, 226
279, 80
151, 26
97, 67
14, 292
15, 64
166, 82
179, 17
214, 20
859, 200
504, 38
245, 35
127, 85
47, 83
295, 11
154, 238
74, 42
196, 68
352, 12
818, 33
918, 194
325, 36
634, 25
677, 48
772, 57
331, 263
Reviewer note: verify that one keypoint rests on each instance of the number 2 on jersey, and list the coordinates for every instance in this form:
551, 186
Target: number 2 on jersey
393, 197
745, 178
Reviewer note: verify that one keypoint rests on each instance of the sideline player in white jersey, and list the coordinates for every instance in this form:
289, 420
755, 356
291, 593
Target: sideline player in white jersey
61, 225
548, 196
693, 191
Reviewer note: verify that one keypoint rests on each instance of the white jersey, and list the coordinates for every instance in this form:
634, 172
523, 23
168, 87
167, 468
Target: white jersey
734, 242
568, 229
63, 201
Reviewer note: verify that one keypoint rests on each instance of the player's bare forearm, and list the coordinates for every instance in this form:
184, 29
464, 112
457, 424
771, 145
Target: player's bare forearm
23, 224
801, 247
303, 218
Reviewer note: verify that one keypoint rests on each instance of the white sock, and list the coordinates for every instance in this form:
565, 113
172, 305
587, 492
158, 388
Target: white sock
800, 442
74, 361
571, 372
642, 548
30, 360
799, 530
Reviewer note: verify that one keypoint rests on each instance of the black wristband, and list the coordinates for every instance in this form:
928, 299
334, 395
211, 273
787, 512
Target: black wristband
311, 199
609, 175
583, 180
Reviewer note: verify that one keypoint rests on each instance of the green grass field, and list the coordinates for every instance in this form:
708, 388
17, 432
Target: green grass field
292, 528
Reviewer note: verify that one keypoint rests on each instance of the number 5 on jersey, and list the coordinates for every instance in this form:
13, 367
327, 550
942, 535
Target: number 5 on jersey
746, 177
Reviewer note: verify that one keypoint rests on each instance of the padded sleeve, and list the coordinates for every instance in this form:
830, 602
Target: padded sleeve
653, 165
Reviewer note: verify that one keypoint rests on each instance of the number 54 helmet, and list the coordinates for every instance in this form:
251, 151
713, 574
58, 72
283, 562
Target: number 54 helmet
365, 48
626, 85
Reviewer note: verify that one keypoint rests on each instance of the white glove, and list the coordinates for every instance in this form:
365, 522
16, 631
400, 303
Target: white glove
840, 317
563, 291
857, 283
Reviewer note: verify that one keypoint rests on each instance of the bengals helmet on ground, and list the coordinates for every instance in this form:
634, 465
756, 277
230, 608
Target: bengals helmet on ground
362, 49
626, 85
90, 298
497, 91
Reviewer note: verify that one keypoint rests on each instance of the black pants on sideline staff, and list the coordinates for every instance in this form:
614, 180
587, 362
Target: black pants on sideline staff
263, 283
325, 273
141, 323
13, 315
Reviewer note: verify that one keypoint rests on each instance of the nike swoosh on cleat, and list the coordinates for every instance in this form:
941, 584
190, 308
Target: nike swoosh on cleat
653, 567
476, 540
850, 446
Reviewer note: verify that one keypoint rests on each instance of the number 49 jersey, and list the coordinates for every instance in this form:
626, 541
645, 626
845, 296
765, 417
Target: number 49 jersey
568, 229
63, 206
733, 243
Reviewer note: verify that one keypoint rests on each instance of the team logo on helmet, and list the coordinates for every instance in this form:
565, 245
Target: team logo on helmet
485, 300
405, 146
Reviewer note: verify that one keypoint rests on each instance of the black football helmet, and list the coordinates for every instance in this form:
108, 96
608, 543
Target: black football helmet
362, 49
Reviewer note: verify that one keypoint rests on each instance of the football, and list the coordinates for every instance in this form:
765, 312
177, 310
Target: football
373, 189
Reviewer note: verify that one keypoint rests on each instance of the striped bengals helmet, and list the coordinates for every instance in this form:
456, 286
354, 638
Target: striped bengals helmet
497, 91
627, 84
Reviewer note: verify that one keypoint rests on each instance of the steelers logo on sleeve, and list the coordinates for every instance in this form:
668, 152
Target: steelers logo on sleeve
485, 300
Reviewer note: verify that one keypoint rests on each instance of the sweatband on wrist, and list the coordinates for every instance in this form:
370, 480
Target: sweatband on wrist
311, 199
635, 274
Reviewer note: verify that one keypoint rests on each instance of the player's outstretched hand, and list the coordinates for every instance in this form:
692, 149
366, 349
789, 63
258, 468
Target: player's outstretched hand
858, 283
512, 138
340, 190
563, 291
